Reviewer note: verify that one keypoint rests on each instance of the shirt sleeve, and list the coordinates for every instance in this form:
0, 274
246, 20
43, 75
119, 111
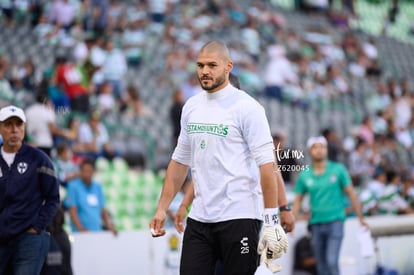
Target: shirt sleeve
344, 178
49, 187
256, 132
300, 187
101, 197
70, 199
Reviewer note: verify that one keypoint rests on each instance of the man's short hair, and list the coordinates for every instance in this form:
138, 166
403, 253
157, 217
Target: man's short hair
61, 147
87, 161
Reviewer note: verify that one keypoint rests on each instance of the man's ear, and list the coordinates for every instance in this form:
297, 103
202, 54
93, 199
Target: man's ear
229, 66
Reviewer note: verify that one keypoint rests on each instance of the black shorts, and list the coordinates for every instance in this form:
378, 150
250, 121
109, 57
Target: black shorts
234, 242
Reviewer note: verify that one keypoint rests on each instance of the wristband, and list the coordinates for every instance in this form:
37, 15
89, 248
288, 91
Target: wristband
270, 216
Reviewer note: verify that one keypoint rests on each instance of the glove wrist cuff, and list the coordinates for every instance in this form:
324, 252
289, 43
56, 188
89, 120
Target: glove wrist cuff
270, 217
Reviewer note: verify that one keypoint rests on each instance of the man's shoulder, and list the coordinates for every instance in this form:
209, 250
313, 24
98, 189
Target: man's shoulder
335, 165
34, 153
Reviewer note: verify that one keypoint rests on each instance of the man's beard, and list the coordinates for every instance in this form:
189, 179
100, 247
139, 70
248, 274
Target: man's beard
219, 81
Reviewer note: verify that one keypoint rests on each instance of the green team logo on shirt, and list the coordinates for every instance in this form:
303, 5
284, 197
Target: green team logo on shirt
213, 129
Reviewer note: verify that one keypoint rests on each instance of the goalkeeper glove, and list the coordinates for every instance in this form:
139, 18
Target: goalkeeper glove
266, 267
273, 240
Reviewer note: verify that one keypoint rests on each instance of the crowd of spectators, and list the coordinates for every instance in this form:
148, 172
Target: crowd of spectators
104, 40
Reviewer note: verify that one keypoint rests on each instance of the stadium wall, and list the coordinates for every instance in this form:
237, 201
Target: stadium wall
138, 253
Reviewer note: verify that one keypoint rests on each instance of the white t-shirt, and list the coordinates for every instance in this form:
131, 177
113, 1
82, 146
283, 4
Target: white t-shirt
224, 137
8, 157
86, 135
39, 116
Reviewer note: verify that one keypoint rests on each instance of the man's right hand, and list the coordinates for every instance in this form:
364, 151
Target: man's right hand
157, 223
179, 218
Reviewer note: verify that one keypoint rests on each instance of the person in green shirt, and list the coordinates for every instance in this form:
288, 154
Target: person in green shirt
326, 182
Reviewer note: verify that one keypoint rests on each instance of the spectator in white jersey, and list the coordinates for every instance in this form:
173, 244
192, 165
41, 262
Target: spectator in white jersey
225, 139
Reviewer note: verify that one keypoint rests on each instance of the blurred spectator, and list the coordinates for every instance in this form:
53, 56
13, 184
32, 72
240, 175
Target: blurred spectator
319, 6
393, 88
391, 17
82, 49
390, 201
393, 156
99, 18
133, 41
234, 80
358, 67
304, 261
6, 92
28, 75
402, 107
46, 32
66, 169
251, 38
407, 190
41, 125
97, 53
59, 99
366, 131
334, 144
58, 261
94, 139
157, 9
69, 79
350, 45
36, 8
133, 104
106, 100
359, 164
114, 69
62, 13
278, 72
380, 122
337, 80
190, 87
137, 11
175, 114
116, 16
86, 202
8, 11
250, 78
370, 195
72, 134
370, 49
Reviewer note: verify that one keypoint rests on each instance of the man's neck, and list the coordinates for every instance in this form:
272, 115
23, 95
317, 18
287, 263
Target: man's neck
10, 150
87, 183
319, 167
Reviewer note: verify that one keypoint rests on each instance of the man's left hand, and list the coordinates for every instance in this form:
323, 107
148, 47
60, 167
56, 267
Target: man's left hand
287, 220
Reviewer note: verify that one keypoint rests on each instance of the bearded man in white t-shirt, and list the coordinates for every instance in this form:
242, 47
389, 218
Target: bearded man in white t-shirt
225, 140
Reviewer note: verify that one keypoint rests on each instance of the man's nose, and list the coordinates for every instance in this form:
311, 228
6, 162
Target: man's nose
14, 127
205, 70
